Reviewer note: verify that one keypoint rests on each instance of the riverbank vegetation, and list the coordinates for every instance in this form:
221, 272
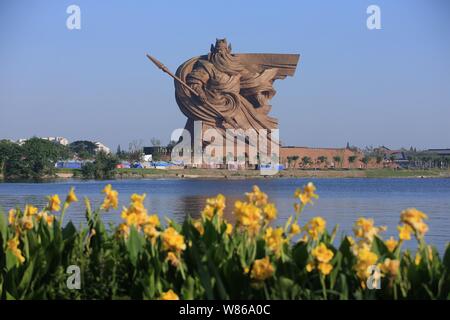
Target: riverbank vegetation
249, 257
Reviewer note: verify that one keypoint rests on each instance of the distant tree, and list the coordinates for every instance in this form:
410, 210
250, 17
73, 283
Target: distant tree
135, 151
379, 159
83, 149
365, 160
289, 160
306, 161
103, 167
155, 142
295, 159
34, 159
337, 159
352, 159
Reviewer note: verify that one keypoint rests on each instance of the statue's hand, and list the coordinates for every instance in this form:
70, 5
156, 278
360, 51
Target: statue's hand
200, 93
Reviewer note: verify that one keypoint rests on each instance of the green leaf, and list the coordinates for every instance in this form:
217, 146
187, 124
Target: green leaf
25, 281
134, 245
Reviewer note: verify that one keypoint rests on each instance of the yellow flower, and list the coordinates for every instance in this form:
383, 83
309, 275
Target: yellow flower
390, 267
248, 216
322, 254
124, 230
54, 203
391, 244
365, 259
325, 268
414, 218
199, 226
262, 269
315, 227
417, 259
270, 211
48, 218
229, 229
310, 267
12, 216
13, 246
274, 239
172, 240
295, 229
214, 206
27, 222
169, 295
257, 197
404, 232
365, 229
151, 232
307, 194
111, 198
430, 252
154, 220
30, 210
173, 259
71, 196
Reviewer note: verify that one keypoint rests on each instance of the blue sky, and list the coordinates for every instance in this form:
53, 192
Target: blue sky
369, 87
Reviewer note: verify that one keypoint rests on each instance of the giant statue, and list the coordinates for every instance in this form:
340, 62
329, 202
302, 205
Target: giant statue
230, 91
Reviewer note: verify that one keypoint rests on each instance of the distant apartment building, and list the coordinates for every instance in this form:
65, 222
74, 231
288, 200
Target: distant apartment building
61, 140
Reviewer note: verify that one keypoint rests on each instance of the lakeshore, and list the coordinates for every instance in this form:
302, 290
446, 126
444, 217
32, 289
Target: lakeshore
194, 173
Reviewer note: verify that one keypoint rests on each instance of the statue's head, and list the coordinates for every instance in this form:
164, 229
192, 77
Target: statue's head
221, 46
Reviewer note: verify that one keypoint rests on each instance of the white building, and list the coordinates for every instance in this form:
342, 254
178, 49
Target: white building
102, 148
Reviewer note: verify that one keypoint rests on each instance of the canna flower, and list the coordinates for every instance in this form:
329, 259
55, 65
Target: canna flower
390, 267
274, 239
123, 230
324, 268
111, 198
172, 240
365, 259
391, 244
417, 259
71, 196
248, 216
229, 229
322, 254
270, 212
54, 203
150, 231
310, 266
27, 222
13, 246
414, 218
307, 194
30, 210
199, 226
169, 295
257, 197
48, 218
295, 229
315, 227
365, 229
262, 269
214, 206
173, 259
404, 232
12, 216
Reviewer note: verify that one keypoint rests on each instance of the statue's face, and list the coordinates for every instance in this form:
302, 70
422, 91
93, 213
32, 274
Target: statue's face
221, 46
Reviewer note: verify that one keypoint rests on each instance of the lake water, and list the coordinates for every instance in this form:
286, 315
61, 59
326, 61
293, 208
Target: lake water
341, 201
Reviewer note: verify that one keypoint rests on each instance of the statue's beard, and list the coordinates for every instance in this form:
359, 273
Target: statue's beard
226, 62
